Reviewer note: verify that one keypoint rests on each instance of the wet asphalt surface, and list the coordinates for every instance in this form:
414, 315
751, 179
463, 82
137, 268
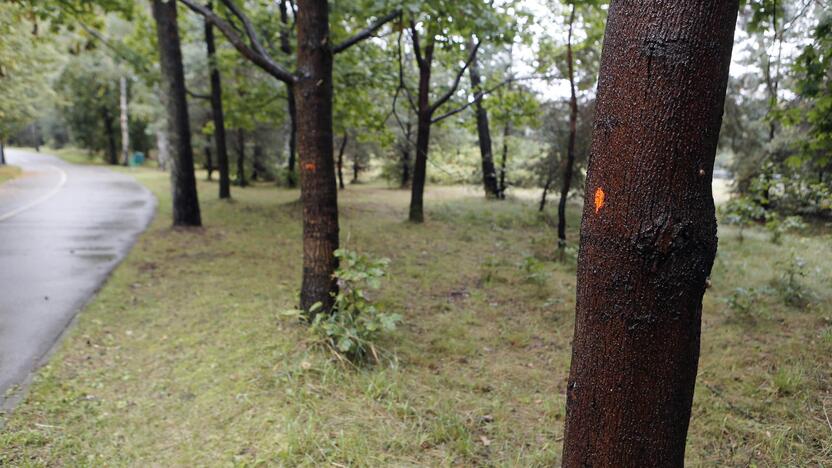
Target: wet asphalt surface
63, 228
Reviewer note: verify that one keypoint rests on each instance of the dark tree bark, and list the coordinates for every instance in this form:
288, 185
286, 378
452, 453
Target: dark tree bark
286, 48
241, 158
209, 163
185, 200
405, 150
504, 160
258, 170
110, 132
489, 174
424, 115
423, 123
648, 235
356, 169
344, 141
569, 164
2, 153
319, 194
217, 112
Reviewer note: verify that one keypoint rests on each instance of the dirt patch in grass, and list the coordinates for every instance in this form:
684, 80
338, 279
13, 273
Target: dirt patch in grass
182, 358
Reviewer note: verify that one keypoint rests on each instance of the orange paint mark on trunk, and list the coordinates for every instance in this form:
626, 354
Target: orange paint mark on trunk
599, 199
310, 166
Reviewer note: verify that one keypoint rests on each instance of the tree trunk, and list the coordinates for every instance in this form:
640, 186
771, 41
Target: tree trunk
341, 160
424, 116
648, 236
504, 160
489, 175
241, 158
286, 48
185, 200
217, 113
406, 155
209, 162
319, 193
569, 165
163, 146
356, 169
2, 153
124, 122
112, 152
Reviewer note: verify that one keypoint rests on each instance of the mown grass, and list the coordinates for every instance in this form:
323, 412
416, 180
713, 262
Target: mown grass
8, 172
182, 359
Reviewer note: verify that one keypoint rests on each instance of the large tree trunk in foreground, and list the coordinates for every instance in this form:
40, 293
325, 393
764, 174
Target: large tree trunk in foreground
124, 122
109, 130
183, 183
319, 193
489, 174
648, 235
286, 48
569, 164
217, 113
424, 116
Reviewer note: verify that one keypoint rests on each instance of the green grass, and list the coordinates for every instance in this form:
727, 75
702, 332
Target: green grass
8, 172
182, 359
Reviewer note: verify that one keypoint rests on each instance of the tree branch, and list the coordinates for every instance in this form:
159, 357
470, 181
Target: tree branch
481, 94
366, 32
256, 55
197, 96
445, 97
417, 48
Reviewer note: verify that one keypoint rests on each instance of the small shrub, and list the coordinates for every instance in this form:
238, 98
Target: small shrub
742, 212
777, 226
535, 270
789, 285
353, 327
742, 300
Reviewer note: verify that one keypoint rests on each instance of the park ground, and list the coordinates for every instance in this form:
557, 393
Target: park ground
184, 359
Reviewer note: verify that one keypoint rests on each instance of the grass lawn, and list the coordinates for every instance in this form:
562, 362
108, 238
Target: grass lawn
8, 172
183, 358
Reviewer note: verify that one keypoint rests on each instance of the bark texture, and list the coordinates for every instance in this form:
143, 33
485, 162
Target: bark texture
109, 130
648, 235
319, 193
344, 141
489, 174
2, 153
217, 112
183, 183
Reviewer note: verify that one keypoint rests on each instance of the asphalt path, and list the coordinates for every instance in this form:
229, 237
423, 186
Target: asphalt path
63, 229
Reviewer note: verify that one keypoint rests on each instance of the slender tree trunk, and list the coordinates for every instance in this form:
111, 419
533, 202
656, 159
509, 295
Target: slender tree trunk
489, 174
124, 122
241, 158
569, 165
319, 192
341, 160
185, 200
406, 155
112, 152
217, 113
2, 153
356, 169
163, 146
209, 162
504, 160
545, 193
286, 48
648, 236
424, 117
257, 171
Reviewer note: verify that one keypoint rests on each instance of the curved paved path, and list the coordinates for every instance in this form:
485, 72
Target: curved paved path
63, 228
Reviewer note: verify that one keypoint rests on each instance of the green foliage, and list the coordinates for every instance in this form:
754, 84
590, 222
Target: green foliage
745, 302
790, 285
742, 212
352, 328
778, 226
535, 270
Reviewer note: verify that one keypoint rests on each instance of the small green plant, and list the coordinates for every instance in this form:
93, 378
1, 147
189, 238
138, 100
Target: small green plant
535, 270
778, 227
742, 212
353, 327
743, 300
790, 285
